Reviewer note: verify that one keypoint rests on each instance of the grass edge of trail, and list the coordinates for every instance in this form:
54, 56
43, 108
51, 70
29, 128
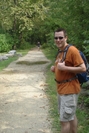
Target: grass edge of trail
5, 63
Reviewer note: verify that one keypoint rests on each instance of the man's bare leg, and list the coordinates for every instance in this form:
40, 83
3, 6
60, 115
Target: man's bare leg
69, 127
73, 125
65, 127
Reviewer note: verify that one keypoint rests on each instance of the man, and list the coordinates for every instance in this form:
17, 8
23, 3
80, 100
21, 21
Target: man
67, 89
38, 45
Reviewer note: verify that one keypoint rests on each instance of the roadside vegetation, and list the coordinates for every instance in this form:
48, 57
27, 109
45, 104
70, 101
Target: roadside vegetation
5, 63
83, 104
24, 23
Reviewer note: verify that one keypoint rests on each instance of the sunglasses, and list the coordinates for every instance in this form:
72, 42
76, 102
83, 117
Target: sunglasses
60, 37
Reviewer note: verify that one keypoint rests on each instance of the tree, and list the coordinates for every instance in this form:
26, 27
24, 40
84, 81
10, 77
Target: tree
19, 16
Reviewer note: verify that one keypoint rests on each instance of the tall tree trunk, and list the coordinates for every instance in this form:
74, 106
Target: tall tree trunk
14, 21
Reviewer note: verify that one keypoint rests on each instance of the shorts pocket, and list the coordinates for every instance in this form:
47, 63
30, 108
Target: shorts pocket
67, 112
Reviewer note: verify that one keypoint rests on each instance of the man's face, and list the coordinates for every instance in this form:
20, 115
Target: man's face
60, 39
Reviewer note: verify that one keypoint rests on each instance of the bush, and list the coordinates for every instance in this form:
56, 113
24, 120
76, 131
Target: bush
26, 45
6, 42
44, 46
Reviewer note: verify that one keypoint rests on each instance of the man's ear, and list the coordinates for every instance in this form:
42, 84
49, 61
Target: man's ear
66, 38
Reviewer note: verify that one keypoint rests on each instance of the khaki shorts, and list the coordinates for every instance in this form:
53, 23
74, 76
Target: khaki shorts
67, 106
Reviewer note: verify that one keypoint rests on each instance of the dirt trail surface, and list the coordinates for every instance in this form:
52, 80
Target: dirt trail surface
23, 103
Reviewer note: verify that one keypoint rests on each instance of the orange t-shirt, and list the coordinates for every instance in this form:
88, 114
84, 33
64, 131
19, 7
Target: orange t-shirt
73, 58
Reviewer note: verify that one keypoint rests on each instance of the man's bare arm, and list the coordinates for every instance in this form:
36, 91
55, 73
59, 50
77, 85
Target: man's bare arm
78, 69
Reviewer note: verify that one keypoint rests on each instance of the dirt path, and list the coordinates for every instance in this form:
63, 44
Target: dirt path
23, 104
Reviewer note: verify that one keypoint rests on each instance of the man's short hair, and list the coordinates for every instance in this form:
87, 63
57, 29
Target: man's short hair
61, 29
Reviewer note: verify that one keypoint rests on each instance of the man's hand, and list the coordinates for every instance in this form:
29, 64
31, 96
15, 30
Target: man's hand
81, 68
53, 68
61, 66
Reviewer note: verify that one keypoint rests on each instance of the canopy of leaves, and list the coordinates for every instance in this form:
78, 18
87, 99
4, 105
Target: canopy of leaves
33, 20
20, 14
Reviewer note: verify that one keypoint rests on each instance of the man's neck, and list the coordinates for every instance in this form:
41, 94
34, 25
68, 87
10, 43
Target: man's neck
63, 47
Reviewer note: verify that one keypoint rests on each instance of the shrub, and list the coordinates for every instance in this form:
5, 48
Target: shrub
6, 42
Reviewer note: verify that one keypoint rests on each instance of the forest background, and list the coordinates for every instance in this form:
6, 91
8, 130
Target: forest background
25, 22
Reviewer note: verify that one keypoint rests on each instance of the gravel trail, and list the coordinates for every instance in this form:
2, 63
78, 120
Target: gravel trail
23, 103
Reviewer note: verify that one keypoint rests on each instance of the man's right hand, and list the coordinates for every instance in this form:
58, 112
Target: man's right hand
53, 68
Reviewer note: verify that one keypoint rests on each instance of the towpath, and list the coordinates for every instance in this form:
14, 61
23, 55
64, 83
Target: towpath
24, 105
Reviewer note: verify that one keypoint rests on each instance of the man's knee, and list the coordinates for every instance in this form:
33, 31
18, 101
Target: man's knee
65, 127
73, 125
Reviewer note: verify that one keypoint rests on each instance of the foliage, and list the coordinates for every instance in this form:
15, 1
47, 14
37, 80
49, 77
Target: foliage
19, 17
83, 121
68, 14
32, 21
6, 42
73, 16
26, 45
44, 46
86, 49
21, 14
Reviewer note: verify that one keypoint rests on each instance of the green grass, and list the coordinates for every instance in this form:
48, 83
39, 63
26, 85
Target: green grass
51, 91
83, 121
82, 113
52, 95
5, 63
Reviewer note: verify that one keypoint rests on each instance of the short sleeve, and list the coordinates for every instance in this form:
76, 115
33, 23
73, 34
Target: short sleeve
73, 57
